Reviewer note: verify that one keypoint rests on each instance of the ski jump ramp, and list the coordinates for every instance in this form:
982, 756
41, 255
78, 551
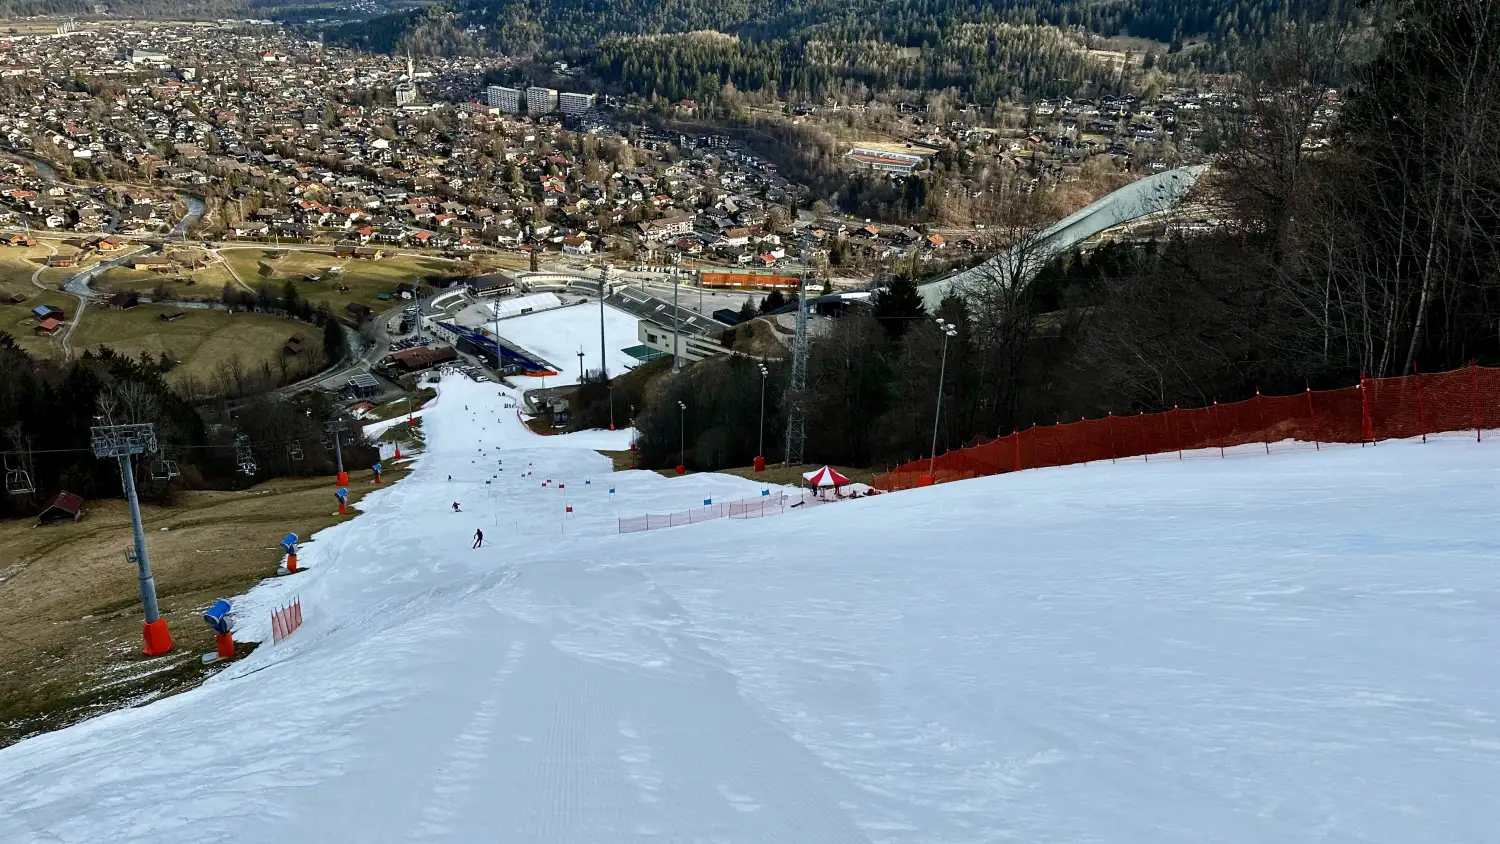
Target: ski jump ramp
1135, 201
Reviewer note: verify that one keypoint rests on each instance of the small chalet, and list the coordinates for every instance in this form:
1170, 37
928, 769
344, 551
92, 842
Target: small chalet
124, 300
64, 507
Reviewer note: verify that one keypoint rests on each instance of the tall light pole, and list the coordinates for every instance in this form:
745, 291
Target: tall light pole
676, 359
681, 438
603, 361
120, 442
580, 365
949, 330
760, 443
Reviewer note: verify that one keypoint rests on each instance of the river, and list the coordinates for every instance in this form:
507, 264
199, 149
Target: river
195, 209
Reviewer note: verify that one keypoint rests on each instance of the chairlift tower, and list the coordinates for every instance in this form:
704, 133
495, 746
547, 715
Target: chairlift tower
336, 427
122, 442
796, 388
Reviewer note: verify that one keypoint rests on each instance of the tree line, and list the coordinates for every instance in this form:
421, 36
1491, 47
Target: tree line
48, 408
812, 48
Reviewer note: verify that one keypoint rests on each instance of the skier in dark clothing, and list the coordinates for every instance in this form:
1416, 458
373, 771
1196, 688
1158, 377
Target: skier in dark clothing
455, 507
478, 538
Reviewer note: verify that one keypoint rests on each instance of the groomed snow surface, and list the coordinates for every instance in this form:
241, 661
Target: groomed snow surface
1290, 648
557, 335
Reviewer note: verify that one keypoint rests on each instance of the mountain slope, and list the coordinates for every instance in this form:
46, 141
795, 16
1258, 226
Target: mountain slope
1294, 648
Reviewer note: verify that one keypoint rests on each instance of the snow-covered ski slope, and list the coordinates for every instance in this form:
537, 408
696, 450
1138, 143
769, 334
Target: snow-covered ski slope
1293, 648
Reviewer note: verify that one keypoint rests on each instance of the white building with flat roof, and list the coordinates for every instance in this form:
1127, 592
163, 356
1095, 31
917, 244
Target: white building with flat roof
571, 103
541, 100
506, 99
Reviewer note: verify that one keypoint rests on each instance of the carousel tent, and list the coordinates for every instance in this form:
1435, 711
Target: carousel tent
825, 476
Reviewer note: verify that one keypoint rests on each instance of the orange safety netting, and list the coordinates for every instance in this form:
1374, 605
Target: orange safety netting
1376, 409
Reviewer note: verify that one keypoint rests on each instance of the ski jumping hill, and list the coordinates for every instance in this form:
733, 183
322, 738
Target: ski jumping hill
1296, 647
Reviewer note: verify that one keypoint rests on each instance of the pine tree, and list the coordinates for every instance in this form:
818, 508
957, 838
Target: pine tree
899, 305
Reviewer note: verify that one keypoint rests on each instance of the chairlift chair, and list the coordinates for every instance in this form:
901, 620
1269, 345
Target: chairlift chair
163, 469
17, 480
294, 450
248, 467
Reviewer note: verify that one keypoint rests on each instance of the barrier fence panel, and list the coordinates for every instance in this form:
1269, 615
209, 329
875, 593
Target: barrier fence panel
1414, 405
745, 508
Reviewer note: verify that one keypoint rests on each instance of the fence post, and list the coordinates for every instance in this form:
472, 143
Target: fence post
1112, 452
1421, 404
1016, 433
1366, 428
1260, 420
1474, 377
1177, 429
1314, 414
1057, 438
1217, 435
1145, 449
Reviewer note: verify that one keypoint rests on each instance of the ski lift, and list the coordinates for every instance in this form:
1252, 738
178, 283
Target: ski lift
17, 479
163, 469
248, 467
327, 443
294, 450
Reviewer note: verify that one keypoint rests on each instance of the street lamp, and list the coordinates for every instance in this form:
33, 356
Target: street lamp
948, 329
681, 437
760, 446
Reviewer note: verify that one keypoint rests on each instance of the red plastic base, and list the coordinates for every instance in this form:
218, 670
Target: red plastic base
343, 479
377, 478
760, 464
158, 638
398, 453
681, 469
611, 426
226, 645
632, 446
291, 564
925, 480
342, 506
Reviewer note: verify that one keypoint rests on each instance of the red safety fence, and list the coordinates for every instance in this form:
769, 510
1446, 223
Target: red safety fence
1375, 409
286, 620
746, 508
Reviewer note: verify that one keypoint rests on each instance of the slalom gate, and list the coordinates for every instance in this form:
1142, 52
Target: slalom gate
285, 621
745, 508
1376, 409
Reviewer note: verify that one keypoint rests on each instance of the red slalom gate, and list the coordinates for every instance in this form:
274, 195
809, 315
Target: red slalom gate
1377, 409
286, 620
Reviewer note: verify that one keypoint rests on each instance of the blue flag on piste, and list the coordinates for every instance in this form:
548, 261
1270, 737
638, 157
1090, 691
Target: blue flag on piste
611, 490
707, 501
765, 492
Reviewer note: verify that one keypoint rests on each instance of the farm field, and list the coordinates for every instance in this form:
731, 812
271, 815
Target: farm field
200, 340
364, 279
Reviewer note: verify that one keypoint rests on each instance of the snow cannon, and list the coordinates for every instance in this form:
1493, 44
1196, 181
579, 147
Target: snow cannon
376, 469
289, 547
217, 617
342, 494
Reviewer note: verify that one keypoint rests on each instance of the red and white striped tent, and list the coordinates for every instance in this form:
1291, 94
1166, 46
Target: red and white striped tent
825, 476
